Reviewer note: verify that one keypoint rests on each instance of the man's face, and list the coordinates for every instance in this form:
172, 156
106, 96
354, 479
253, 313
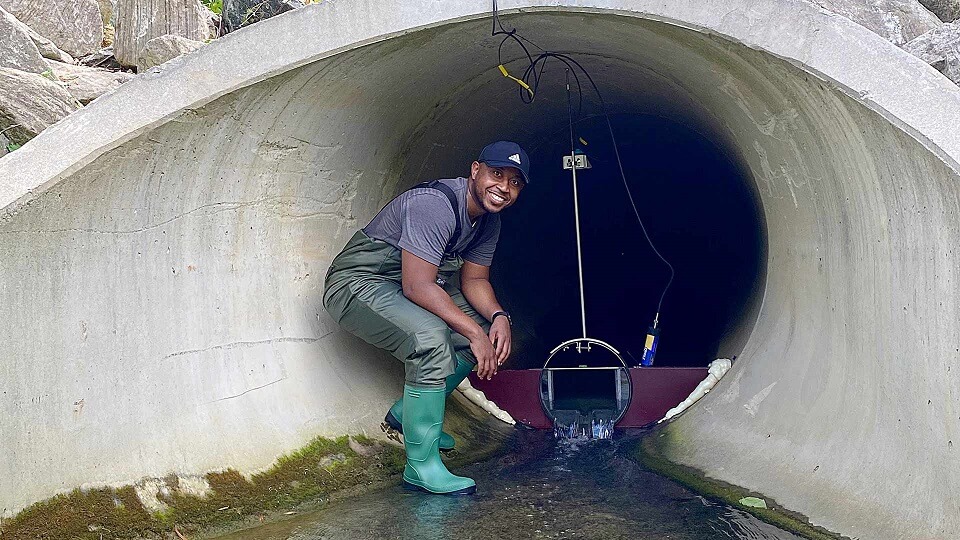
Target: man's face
495, 188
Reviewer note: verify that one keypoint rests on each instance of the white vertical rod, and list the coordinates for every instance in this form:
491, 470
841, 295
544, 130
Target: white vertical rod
576, 209
576, 215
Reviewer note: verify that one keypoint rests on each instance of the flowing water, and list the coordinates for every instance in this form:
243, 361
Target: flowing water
541, 488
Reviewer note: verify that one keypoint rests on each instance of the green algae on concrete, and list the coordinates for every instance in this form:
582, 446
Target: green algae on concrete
651, 452
323, 467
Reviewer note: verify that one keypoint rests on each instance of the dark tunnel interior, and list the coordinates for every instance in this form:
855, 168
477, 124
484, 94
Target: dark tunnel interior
699, 208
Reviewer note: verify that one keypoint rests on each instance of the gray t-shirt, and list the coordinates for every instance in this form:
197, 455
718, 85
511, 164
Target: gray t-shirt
421, 221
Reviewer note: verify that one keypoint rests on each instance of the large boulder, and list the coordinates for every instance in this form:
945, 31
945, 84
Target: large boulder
29, 103
46, 47
239, 13
17, 50
74, 26
945, 10
898, 21
160, 49
86, 84
940, 48
138, 21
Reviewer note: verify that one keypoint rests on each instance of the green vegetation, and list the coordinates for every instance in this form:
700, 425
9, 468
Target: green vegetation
215, 6
651, 453
321, 468
12, 146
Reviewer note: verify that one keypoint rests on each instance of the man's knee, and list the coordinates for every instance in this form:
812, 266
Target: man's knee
430, 358
429, 338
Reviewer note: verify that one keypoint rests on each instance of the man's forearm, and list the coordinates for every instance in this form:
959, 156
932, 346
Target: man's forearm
434, 299
479, 293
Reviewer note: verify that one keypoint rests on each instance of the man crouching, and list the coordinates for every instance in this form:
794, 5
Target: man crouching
391, 286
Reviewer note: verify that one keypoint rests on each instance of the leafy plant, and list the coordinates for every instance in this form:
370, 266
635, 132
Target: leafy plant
12, 146
215, 6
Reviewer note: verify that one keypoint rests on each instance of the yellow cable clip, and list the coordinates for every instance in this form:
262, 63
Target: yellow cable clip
503, 70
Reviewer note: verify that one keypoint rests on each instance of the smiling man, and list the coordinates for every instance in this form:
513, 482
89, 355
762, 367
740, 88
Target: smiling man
392, 286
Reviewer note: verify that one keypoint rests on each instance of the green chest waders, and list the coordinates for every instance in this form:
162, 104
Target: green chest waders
364, 295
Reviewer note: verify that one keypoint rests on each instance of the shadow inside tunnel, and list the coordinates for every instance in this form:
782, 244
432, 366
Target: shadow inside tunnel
700, 210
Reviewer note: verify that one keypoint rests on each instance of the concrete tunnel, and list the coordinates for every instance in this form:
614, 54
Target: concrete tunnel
162, 251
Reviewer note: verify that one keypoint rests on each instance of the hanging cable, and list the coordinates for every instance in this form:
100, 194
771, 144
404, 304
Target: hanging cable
530, 81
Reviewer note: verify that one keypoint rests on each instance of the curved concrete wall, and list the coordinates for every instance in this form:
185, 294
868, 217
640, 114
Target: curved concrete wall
162, 251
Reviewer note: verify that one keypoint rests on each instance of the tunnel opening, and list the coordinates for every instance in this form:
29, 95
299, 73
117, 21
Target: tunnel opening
259, 176
701, 212
694, 192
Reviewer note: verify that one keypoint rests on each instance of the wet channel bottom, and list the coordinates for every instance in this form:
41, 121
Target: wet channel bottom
541, 488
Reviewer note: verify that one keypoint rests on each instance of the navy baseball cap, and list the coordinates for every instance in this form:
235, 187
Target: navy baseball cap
506, 154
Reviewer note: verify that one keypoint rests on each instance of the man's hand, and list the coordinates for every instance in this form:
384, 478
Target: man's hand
501, 337
475, 284
482, 348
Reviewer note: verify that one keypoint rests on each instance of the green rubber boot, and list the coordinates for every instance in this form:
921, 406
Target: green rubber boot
394, 416
422, 425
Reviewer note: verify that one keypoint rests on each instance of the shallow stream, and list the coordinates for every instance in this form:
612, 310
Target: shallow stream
540, 488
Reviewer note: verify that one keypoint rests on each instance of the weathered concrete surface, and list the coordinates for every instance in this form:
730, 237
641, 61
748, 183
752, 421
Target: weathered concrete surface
940, 48
162, 251
897, 20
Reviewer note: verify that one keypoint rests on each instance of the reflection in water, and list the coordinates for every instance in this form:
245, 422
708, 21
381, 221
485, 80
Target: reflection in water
542, 488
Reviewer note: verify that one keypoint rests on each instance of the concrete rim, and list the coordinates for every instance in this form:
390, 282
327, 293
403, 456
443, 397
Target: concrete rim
896, 85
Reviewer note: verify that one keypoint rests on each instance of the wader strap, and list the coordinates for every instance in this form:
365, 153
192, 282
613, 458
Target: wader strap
436, 184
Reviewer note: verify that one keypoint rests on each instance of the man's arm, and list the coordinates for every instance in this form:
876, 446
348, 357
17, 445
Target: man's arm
476, 288
419, 280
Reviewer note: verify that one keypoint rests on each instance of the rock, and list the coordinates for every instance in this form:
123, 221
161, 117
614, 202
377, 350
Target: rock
240, 13
74, 26
940, 48
139, 21
945, 10
898, 21
47, 48
29, 103
213, 22
6, 145
103, 58
160, 49
86, 84
360, 448
17, 50
328, 462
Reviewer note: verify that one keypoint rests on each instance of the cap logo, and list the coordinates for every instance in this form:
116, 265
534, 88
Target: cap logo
515, 158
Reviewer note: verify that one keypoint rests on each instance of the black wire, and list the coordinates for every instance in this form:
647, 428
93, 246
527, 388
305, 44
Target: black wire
572, 67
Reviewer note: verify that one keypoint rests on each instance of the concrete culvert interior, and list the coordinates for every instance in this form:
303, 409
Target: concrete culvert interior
162, 251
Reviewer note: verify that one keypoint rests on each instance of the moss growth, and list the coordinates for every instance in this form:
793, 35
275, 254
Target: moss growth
81, 514
321, 468
651, 453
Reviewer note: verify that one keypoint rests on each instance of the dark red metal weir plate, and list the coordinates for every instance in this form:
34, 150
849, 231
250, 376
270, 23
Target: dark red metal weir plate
656, 390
